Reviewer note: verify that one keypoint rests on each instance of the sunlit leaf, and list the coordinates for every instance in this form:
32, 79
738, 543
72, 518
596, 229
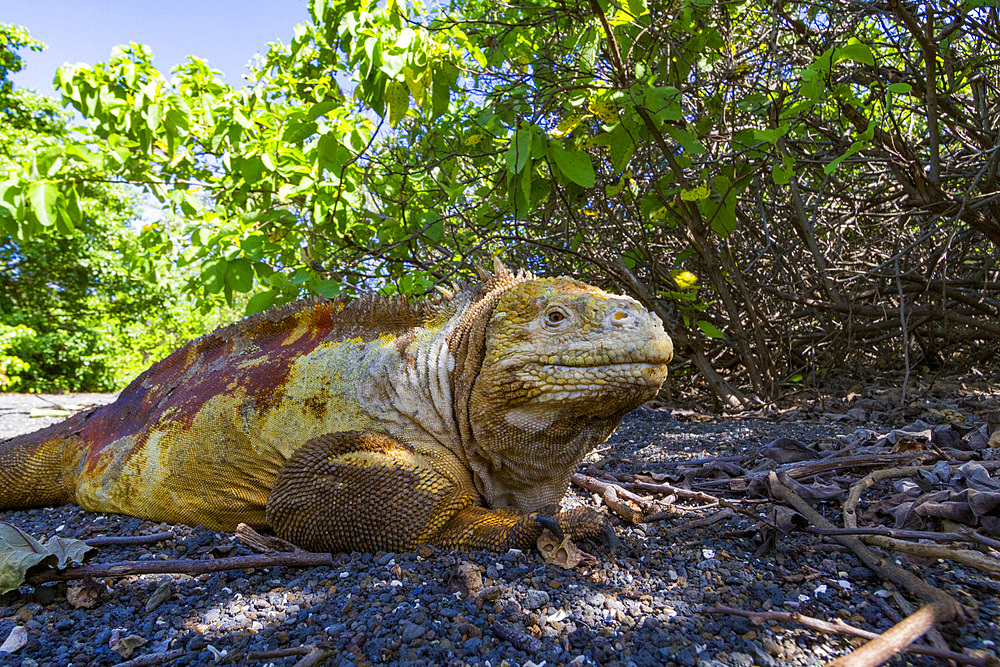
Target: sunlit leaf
574, 164
43, 196
696, 194
709, 329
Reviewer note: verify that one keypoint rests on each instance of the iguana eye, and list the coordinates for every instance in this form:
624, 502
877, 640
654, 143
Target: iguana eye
554, 317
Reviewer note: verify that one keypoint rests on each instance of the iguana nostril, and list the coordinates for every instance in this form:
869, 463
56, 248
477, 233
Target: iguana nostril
620, 318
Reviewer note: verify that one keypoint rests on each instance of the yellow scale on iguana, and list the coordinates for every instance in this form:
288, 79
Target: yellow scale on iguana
371, 425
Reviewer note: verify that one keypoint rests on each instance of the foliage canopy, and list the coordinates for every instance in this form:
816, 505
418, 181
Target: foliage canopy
794, 187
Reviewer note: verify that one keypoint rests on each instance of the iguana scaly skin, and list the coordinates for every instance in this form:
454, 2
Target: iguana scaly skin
372, 425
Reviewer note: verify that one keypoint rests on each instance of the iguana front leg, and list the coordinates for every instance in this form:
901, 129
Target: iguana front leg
483, 528
357, 491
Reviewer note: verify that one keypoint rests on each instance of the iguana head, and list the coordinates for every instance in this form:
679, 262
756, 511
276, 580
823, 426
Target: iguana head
562, 362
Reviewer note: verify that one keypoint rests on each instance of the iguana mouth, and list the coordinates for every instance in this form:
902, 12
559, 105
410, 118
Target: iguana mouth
656, 352
597, 377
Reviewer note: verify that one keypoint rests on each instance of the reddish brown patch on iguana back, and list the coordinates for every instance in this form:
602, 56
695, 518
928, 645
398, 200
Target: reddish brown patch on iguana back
256, 354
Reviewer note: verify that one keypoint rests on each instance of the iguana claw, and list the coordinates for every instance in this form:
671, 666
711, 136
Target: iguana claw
552, 525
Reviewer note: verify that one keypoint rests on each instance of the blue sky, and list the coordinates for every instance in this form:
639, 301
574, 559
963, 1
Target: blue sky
226, 33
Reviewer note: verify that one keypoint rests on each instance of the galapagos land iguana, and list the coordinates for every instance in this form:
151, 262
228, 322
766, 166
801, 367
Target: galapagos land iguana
371, 425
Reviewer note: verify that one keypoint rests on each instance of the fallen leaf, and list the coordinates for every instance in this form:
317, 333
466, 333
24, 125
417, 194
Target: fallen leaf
161, 595
17, 638
127, 645
563, 553
82, 596
48, 412
19, 551
905, 446
216, 653
466, 579
787, 450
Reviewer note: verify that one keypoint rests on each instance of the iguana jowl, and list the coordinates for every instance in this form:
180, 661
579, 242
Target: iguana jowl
375, 425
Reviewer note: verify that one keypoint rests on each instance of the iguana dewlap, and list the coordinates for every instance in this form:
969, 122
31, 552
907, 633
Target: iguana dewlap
375, 425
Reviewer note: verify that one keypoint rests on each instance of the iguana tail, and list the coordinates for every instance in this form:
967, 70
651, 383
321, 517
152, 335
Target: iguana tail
40, 468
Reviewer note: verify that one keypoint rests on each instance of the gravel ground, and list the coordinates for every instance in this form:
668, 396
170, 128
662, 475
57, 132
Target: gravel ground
642, 603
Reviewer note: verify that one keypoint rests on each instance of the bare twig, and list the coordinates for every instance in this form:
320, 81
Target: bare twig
898, 637
854, 496
279, 653
153, 659
313, 658
721, 515
838, 626
109, 540
612, 495
964, 556
901, 534
264, 543
876, 563
132, 567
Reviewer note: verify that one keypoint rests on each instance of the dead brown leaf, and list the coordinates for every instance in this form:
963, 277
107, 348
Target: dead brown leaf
563, 553
82, 596
127, 645
906, 445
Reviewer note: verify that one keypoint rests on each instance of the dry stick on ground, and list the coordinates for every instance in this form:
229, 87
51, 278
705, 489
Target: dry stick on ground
153, 659
277, 654
130, 567
313, 658
898, 533
885, 569
701, 523
854, 496
898, 637
612, 495
106, 540
943, 607
934, 635
688, 494
968, 557
804, 468
264, 543
964, 556
837, 626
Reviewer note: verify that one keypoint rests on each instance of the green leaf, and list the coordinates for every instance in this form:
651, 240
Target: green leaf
440, 92
260, 302
832, 166
665, 102
770, 136
709, 329
856, 51
153, 116
19, 551
692, 145
239, 275
297, 131
397, 97
328, 288
522, 148
696, 194
782, 174
899, 88
621, 147
42, 196
48, 412
213, 275
574, 164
